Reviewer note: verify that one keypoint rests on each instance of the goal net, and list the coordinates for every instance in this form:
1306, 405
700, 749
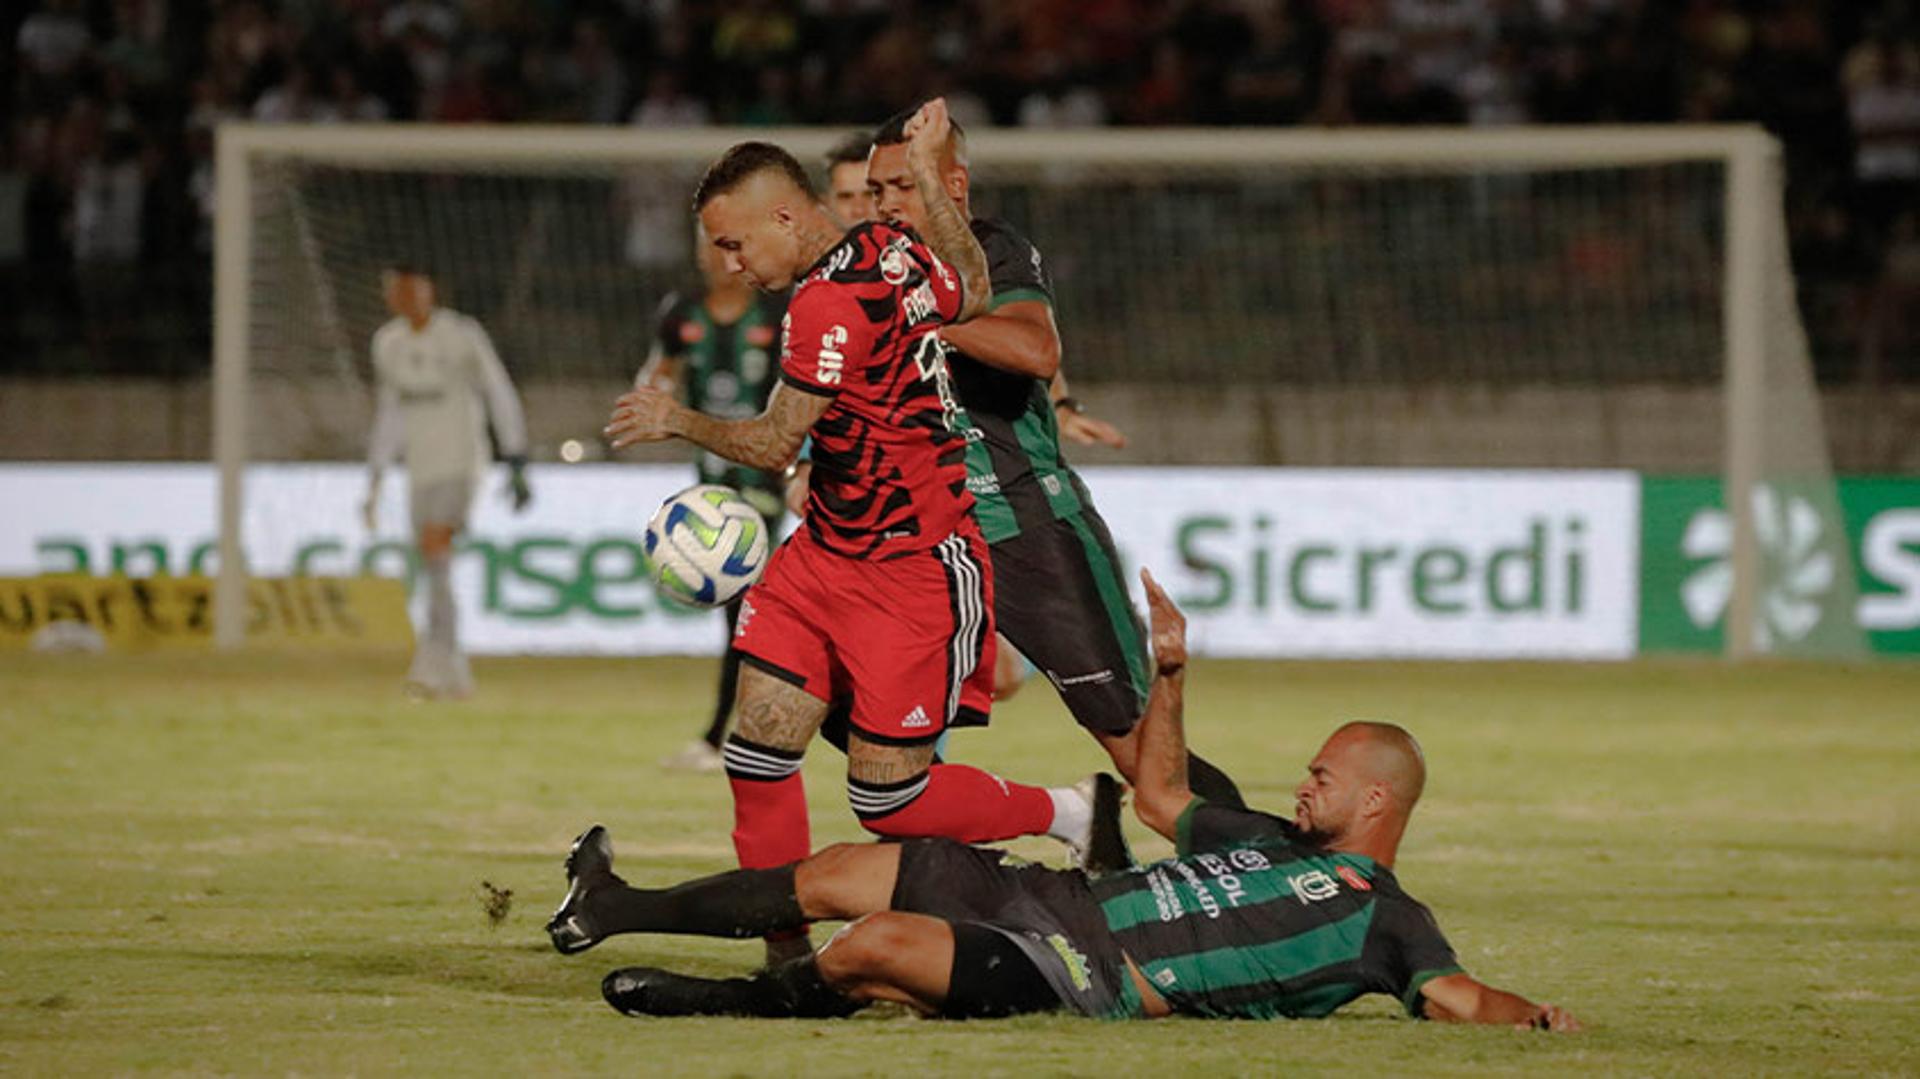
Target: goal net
1608, 298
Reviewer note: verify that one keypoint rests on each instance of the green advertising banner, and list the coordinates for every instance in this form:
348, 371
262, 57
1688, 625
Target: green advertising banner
1806, 607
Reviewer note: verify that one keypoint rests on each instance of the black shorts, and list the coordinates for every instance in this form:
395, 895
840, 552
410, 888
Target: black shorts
1060, 595
1050, 914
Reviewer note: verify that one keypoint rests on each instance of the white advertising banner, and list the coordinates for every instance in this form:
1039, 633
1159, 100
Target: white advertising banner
1267, 562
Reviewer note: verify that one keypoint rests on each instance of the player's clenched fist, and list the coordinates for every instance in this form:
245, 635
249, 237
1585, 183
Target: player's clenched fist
641, 415
928, 130
1168, 627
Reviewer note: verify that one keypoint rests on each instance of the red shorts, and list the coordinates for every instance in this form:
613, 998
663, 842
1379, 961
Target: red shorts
908, 640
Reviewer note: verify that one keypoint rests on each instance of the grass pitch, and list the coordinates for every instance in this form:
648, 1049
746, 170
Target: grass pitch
276, 865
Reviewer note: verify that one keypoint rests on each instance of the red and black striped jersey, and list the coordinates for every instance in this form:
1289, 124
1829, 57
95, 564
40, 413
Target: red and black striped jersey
889, 467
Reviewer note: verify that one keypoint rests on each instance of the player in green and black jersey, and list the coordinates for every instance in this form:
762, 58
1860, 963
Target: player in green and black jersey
717, 347
1255, 917
1060, 595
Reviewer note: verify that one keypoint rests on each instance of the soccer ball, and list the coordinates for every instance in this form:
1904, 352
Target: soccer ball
706, 545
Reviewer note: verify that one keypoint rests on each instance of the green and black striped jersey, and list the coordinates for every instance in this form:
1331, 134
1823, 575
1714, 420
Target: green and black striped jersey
1249, 922
727, 370
1014, 466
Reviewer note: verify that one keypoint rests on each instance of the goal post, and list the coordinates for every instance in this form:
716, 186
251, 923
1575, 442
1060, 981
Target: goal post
1338, 262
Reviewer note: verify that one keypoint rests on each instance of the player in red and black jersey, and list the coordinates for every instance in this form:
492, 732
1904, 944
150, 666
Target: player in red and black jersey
886, 596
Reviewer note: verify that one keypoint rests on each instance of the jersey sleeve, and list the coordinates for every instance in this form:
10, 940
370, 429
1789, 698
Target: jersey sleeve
1417, 951
389, 425
826, 336
948, 294
1204, 826
503, 403
1015, 267
667, 344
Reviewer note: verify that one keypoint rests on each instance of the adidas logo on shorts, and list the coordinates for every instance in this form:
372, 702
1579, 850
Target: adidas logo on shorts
917, 718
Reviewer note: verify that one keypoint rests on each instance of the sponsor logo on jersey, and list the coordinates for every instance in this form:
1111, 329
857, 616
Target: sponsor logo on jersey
1354, 880
920, 304
831, 358
1249, 859
692, 333
916, 719
1165, 977
1077, 968
1313, 887
895, 268
760, 336
1091, 678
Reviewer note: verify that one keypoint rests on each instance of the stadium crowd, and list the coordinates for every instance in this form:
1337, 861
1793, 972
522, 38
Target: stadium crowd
106, 171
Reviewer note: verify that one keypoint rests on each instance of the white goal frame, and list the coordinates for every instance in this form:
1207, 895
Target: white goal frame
1750, 156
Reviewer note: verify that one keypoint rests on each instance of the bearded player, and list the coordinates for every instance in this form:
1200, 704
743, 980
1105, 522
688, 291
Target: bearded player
886, 595
1059, 595
1255, 917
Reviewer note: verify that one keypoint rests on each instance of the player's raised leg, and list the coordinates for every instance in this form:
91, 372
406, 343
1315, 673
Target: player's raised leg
841, 882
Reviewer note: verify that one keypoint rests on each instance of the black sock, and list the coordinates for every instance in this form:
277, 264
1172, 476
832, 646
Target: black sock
741, 904
1211, 783
790, 991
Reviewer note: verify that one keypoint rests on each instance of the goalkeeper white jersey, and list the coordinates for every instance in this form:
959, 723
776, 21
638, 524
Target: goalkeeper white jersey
438, 387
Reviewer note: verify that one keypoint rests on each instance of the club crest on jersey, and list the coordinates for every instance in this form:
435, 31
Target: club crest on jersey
1313, 887
894, 265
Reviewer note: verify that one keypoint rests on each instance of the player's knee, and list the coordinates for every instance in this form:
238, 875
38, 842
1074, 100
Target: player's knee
865, 948
884, 808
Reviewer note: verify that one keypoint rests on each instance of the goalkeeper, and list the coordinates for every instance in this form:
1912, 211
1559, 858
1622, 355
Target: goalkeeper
715, 349
439, 385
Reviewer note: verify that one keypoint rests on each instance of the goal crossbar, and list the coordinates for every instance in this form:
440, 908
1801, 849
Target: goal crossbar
1749, 155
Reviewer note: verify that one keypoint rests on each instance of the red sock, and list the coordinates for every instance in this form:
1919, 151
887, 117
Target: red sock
958, 802
770, 821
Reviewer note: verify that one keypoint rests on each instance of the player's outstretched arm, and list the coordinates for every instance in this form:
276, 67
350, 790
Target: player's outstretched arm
1459, 998
947, 231
1160, 790
768, 441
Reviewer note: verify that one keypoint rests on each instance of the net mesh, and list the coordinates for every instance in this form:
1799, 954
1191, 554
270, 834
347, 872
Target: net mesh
1221, 313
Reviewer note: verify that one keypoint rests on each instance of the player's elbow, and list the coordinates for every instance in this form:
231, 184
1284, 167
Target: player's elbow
1046, 358
1159, 806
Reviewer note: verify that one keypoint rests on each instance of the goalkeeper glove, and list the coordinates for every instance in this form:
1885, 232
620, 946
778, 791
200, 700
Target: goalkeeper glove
518, 492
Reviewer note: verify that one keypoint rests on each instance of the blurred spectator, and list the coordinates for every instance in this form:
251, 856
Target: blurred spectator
106, 157
1883, 102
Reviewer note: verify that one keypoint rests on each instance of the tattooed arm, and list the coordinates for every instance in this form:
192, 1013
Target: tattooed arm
946, 227
768, 442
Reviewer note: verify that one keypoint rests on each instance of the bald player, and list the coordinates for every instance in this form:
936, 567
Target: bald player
1256, 917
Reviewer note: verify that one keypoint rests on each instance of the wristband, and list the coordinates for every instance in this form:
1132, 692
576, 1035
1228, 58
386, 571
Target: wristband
1071, 404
